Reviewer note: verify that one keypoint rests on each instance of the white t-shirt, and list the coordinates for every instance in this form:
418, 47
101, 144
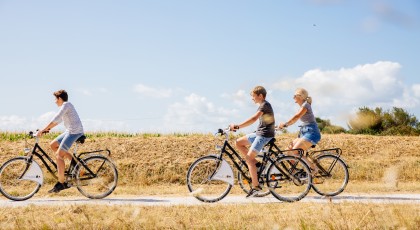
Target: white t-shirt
68, 114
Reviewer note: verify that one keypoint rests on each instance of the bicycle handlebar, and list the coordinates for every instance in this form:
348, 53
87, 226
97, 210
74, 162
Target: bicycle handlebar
228, 130
32, 134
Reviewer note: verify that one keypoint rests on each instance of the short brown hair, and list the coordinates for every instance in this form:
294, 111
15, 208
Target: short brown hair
259, 90
61, 94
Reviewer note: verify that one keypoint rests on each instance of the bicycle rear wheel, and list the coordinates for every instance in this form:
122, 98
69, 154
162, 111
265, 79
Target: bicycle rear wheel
102, 182
332, 177
289, 179
12, 185
201, 183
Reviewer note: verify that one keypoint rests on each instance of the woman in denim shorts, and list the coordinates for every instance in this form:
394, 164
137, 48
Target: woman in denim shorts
309, 133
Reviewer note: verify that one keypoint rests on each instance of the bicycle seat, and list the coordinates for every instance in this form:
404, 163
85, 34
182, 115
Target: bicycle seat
313, 146
81, 139
271, 141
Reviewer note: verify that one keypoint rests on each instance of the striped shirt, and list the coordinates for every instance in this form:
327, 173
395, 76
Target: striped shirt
68, 114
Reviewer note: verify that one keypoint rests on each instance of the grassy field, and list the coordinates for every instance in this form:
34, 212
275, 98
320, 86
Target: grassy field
151, 159
215, 216
154, 164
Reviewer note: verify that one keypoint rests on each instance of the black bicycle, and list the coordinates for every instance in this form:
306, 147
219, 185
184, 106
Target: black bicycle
210, 178
93, 173
332, 175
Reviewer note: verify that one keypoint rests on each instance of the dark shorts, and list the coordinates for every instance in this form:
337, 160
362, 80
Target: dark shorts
310, 133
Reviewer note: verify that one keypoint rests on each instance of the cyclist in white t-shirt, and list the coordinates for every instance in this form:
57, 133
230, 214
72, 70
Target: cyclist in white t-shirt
61, 145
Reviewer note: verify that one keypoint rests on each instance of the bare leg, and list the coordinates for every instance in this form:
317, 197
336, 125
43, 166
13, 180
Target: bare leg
242, 145
251, 161
61, 165
61, 155
301, 143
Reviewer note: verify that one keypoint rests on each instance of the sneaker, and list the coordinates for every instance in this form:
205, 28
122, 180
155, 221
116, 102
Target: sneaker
254, 191
58, 187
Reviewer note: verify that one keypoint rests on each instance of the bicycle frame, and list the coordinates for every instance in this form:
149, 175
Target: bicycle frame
337, 155
273, 149
34, 172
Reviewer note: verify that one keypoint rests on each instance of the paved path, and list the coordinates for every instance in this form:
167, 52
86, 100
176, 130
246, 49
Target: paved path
190, 200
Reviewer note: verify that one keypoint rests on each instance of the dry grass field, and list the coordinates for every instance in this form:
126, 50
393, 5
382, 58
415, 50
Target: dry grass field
150, 160
151, 164
215, 216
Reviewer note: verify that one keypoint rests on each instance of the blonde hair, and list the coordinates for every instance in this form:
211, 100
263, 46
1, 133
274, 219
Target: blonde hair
259, 90
304, 94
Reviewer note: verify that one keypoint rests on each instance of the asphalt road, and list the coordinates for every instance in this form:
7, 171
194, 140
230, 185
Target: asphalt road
190, 200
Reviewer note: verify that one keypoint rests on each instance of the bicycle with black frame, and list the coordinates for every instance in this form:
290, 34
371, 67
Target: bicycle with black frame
210, 178
93, 173
332, 173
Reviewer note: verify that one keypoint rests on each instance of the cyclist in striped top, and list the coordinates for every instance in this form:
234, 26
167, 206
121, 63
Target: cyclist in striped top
61, 145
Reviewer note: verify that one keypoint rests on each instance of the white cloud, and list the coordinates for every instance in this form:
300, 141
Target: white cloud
98, 125
18, 123
23, 124
416, 90
148, 91
345, 90
240, 98
12, 122
196, 114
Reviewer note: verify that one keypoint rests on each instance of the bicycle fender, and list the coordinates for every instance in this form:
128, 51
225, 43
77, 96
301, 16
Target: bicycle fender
224, 173
34, 173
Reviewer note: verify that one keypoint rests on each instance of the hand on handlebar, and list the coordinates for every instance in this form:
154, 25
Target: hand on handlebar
233, 127
281, 126
39, 133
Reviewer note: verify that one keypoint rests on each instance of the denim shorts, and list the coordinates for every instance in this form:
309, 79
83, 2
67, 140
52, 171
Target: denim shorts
66, 140
310, 133
257, 142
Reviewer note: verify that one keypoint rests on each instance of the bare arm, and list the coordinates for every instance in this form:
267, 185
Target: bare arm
47, 128
248, 122
295, 118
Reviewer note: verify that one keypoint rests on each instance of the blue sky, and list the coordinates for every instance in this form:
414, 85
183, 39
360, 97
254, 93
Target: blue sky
188, 66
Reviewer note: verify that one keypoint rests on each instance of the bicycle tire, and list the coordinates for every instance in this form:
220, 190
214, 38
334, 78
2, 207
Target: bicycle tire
289, 179
333, 178
11, 186
199, 181
100, 184
246, 185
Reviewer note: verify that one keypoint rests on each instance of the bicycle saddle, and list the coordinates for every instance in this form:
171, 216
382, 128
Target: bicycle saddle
271, 141
81, 139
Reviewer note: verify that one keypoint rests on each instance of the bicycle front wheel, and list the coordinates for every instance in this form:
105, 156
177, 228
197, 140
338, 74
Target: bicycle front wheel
12, 185
289, 179
101, 178
200, 180
332, 177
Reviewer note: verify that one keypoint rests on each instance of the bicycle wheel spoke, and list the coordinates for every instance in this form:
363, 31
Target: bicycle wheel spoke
333, 176
102, 182
12, 185
201, 183
289, 179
